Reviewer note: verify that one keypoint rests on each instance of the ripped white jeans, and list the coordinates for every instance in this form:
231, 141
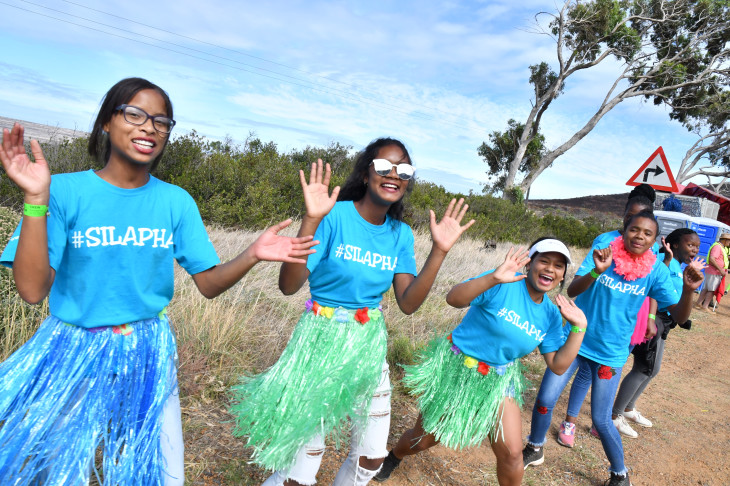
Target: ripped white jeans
371, 444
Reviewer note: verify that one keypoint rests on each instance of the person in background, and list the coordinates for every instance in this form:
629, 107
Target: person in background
717, 268
682, 246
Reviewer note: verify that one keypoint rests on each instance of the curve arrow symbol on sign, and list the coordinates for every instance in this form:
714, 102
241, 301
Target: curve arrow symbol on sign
657, 171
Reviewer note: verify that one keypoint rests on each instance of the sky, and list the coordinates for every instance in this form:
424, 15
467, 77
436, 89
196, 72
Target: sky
440, 76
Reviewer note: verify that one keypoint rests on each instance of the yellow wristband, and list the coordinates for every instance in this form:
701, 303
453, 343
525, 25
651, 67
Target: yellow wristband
35, 210
594, 274
652, 316
574, 328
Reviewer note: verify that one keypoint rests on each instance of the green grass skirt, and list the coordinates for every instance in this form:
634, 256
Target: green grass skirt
327, 374
460, 405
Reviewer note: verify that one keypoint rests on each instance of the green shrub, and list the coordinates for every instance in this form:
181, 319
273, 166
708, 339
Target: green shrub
252, 185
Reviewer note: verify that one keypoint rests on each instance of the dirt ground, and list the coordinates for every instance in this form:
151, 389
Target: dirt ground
689, 403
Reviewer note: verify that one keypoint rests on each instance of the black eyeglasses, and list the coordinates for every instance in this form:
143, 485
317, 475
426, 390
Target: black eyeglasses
137, 116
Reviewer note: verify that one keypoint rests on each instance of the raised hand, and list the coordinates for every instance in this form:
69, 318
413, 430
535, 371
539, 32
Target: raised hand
602, 259
513, 262
692, 275
317, 199
667, 250
33, 178
449, 229
272, 247
571, 312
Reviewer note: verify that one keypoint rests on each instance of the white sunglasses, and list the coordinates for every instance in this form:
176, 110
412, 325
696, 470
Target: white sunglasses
383, 167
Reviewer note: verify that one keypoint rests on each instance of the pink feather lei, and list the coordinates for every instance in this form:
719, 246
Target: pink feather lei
628, 265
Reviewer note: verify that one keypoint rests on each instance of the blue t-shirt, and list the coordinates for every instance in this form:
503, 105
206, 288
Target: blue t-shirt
504, 324
611, 305
355, 261
113, 249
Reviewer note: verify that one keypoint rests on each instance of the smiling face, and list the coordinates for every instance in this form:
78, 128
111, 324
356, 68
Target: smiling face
687, 248
640, 235
389, 189
137, 144
545, 272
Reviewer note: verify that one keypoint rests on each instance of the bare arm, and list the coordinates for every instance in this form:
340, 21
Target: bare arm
559, 361
318, 203
602, 259
31, 268
461, 295
651, 329
269, 246
410, 291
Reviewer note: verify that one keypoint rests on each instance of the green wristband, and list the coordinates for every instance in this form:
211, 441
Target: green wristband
652, 316
594, 274
35, 210
574, 328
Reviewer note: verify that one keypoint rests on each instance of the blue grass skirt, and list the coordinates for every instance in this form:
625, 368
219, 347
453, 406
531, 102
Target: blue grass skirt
327, 373
69, 391
460, 398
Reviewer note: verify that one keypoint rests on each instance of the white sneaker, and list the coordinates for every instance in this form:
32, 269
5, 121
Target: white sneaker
624, 428
635, 416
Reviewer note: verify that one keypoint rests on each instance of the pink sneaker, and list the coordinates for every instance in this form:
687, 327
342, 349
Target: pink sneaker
594, 432
566, 435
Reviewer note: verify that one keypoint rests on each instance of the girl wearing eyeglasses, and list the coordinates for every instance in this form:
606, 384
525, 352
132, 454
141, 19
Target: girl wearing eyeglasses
333, 368
101, 370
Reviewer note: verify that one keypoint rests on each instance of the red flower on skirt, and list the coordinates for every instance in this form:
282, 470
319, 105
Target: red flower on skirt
361, 315
605, 372
483, 368
542, 410
316, 308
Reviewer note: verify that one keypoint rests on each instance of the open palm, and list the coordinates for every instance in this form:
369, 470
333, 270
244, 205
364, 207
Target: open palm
33, 178
449, 229
513, 263
272, 247
317, 199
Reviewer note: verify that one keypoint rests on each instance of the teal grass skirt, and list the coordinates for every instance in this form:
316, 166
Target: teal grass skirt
460, 398
70, 391
327, 374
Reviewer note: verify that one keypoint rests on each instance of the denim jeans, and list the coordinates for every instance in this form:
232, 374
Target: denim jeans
602, 396
579, 390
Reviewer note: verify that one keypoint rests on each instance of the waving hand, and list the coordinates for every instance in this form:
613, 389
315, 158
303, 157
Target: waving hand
33, 178
317, 199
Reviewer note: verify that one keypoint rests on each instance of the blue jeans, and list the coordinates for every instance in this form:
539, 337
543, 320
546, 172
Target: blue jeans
602, 396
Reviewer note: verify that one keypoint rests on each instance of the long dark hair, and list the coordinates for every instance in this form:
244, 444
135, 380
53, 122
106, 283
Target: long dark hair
119, 94
355, 188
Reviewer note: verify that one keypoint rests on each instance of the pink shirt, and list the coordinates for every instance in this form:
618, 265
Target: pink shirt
716, 256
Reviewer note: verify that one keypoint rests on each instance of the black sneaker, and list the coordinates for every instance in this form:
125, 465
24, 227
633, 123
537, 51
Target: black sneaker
389, 464
618, 480
532, 456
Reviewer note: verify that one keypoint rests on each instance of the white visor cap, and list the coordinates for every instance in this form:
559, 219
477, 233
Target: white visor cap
549, 245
